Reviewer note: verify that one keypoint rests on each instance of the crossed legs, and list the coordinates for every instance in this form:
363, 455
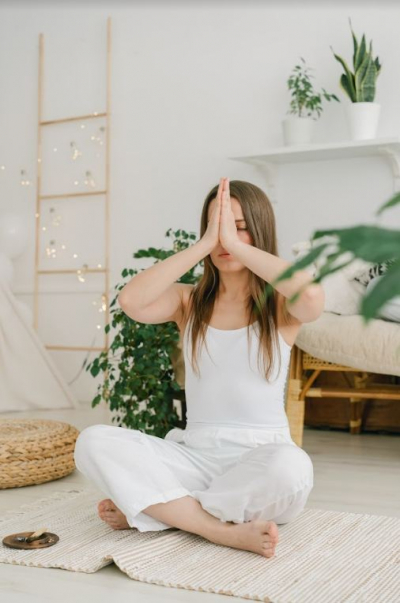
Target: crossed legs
239, 507
186, 513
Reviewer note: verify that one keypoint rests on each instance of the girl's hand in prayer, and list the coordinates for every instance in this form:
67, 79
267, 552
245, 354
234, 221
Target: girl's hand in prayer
227, 230
211, 235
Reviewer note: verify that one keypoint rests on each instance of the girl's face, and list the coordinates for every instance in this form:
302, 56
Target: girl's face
242, 233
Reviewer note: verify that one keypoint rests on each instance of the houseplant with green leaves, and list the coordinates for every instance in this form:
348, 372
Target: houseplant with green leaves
141, 365
360, 87
305, 106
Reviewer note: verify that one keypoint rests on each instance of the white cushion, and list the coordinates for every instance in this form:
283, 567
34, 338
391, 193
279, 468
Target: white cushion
341, 295
348, 341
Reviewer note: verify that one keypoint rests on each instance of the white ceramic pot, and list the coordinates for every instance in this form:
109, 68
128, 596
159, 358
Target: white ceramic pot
298, 130
363, 119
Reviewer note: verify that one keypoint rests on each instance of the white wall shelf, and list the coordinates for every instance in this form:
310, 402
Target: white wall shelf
269, 161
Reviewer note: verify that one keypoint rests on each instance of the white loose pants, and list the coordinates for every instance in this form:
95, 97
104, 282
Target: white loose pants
237, 474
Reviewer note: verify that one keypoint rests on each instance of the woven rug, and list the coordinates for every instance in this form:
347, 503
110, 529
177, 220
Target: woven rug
322, 556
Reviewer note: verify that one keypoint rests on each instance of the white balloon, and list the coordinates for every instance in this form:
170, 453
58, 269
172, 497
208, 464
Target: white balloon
14, 234
6, 269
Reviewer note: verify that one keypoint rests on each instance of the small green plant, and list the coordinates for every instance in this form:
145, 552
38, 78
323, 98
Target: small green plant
304, 97
138, 363
360, 86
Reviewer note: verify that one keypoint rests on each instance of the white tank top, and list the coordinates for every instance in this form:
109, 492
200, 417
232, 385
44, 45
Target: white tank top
231, 391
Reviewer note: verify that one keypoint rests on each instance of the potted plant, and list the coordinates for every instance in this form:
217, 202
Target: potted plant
360, 86
143, 367
305, 106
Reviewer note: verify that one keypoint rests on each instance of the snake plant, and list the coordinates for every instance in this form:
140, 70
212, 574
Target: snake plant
360, 85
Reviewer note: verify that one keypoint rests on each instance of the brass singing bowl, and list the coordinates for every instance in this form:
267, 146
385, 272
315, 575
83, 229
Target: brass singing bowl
18, 541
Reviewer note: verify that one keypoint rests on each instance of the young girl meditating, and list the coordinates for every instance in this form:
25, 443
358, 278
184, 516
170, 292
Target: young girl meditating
234, 473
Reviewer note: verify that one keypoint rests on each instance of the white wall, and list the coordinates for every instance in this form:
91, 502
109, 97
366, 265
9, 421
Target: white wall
191, 86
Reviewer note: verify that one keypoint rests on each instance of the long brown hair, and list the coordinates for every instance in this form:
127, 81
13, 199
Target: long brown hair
260, 219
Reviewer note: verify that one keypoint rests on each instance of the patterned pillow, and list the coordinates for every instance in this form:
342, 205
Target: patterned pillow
391, 309
375, 270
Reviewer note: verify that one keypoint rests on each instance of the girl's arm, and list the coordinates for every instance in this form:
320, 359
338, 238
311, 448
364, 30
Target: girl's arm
310, 303
153, 295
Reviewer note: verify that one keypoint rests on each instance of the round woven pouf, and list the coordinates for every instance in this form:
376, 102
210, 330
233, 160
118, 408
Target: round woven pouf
34, 451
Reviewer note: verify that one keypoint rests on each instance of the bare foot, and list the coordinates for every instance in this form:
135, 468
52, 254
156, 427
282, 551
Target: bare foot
110, 513
258, 536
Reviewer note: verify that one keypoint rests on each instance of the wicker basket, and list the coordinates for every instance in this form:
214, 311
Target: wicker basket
34, 451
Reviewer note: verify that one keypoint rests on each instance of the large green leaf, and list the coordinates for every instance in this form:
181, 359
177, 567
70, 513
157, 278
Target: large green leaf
387, 288
344, 82
366, 90
355, 43
360, 74
360, 54
393, 201
369, 243
350, 75
378, 66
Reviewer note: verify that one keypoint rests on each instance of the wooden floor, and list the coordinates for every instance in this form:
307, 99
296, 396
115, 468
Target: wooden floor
354, 473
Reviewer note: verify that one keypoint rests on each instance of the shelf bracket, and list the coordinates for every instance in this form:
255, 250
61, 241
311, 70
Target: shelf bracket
393, 156
269, 170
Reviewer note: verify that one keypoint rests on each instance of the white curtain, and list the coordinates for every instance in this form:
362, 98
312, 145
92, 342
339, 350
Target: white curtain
29, 378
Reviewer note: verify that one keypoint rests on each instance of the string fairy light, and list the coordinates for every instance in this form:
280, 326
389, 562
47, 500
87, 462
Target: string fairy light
75, 151
89, 180
23, 181
56, 218
52, 250
80, 273
99, 139
102, 305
